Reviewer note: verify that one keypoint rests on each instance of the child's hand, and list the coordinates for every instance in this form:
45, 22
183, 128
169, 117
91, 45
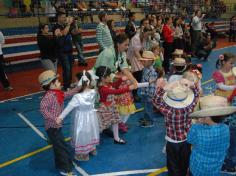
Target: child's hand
161, 83
124, 78
58, 121
133, 86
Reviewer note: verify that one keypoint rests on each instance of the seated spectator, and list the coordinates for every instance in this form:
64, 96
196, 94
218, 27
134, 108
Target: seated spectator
204, 48
110, 4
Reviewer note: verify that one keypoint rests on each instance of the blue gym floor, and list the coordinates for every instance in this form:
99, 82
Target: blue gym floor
141, 155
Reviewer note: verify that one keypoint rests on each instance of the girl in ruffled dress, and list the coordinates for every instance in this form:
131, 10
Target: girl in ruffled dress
85, 129
108, 113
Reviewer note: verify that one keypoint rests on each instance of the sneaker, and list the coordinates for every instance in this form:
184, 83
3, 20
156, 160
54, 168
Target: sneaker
231, 171
147, 124
141, 120
82, 157
94, 152
9, 88
68, 173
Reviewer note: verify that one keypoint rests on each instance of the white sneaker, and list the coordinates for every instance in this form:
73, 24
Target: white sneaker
68, 173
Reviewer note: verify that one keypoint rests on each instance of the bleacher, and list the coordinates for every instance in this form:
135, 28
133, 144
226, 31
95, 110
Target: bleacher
21, 45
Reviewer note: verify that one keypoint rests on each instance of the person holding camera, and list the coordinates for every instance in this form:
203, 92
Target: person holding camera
63, 48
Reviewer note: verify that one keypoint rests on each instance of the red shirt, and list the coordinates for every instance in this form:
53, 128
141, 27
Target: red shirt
112, 88
51, 108
167, 34
177, 120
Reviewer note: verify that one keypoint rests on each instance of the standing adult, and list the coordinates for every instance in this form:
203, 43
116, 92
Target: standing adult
3, 77
103, 34
76, 33
130, 28
168, 35
64, 47
47, 50
196, 29
114, 58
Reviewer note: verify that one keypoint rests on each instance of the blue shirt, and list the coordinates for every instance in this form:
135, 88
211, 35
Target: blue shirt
149, 75
209, 147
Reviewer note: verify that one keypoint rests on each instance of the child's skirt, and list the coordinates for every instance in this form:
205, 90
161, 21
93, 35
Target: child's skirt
85, 131
108, 114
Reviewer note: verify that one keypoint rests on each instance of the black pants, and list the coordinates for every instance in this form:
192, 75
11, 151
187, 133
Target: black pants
178, 155
168, 50
63, 159
3, 77
138, 76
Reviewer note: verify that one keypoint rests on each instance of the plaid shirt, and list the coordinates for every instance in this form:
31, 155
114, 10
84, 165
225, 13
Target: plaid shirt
51, 109
210, 144
149, 75
176, 120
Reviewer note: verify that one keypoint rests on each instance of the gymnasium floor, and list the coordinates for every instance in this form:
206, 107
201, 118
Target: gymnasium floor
24, 150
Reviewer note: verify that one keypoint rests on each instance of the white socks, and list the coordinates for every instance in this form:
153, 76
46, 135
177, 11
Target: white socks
124, 118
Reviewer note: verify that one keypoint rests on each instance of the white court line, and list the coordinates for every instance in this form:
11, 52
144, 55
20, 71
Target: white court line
32, 126
80, 170
10, 99
127, 172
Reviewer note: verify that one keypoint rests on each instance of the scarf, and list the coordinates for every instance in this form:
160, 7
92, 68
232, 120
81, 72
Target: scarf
60, 95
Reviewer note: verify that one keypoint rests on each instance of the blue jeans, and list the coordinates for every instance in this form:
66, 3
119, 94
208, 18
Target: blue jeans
67, 64
148, 108
79, 49
230, 160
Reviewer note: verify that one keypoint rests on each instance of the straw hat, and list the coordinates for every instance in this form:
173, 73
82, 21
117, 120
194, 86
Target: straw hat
178, 52
147, 56
234, 71
46, 77
211, 106
179, 62
191, 76
178, 96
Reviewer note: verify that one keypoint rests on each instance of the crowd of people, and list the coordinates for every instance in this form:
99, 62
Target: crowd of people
155, 58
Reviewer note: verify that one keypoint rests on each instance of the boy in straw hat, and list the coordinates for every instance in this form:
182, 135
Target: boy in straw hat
51, 107
179, 66
150, 76
209, 138
176, 101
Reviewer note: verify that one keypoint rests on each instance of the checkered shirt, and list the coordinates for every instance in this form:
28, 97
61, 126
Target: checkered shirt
50, 108
149, 75
209, 147
177, 121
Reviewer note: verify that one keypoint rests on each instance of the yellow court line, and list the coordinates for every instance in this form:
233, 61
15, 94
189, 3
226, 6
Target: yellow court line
67, 139
206, 82
158, 172
28, 155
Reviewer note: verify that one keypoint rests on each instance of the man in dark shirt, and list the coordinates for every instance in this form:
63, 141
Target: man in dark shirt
64, 47
130, 28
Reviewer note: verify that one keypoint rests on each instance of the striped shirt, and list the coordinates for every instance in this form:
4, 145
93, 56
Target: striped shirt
103, 36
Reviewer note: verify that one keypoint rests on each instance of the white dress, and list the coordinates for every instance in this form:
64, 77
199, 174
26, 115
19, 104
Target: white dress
85, 128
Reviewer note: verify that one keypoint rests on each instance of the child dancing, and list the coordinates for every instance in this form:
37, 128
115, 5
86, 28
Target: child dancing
85, 129
108, 114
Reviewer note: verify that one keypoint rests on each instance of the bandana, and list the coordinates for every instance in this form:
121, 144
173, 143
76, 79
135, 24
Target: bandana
60, 95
